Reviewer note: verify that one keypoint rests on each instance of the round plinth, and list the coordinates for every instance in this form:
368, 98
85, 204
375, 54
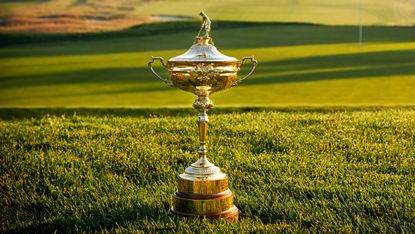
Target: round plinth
230, 215
204, 197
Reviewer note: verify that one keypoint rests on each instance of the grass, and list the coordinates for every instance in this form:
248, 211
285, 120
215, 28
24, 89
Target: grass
68, 16
292, 170
341, 12
109, 69
64, 12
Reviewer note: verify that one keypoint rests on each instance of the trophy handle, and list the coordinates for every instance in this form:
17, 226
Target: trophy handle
254, 63
151, 61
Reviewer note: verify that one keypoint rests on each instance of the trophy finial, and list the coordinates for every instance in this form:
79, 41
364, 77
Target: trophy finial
205, 25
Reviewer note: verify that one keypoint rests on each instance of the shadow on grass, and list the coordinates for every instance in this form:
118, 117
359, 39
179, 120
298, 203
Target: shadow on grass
178, 35
383, 64
97, 221
349, 66
94, 76
332, 67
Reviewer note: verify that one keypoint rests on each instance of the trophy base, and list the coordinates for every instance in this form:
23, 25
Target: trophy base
230, 215
204, 197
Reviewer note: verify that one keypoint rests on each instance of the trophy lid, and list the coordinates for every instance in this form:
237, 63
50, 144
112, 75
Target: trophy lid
203, 50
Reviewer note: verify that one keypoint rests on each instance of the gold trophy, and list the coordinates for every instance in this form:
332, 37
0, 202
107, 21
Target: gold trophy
202, 188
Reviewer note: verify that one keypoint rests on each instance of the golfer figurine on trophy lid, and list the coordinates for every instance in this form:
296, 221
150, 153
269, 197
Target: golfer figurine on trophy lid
203, 189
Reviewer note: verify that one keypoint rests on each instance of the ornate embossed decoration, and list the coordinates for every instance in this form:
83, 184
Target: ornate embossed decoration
204, 72
203, 102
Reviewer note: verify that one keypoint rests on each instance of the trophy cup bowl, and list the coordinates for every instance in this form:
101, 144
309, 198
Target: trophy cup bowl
203, 189
203, 65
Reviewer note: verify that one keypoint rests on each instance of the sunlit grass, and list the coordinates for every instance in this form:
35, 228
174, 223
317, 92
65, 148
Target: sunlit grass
341, 12
294, 170
66, 16
382, 74
50, 64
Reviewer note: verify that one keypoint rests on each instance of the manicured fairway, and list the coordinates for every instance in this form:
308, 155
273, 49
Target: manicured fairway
299, 65
339, 12
291, 170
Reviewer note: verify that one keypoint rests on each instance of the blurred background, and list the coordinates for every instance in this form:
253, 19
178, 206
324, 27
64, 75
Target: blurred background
90, 53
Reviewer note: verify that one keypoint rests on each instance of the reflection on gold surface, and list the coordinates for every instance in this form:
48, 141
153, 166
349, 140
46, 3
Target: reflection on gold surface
203, 189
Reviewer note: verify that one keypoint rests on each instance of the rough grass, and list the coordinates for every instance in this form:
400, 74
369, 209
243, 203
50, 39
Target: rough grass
291, 170
67, 16
298, 65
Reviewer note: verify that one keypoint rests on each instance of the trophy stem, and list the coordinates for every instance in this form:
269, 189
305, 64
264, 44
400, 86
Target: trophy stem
202, 167
203, 125
203, 189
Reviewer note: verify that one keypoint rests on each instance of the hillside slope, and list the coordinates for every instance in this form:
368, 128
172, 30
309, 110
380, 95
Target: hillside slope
93, 15
299, 65
340, 12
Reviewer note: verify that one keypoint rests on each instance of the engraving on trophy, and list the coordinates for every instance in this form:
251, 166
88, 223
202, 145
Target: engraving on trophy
203, 188
204, 72
203, 102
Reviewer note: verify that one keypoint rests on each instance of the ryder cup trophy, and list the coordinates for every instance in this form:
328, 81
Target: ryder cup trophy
202, 188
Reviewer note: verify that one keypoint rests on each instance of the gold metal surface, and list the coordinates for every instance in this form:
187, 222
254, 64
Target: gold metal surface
207, 197
203, 185
230, 215
203, 70
205, 24
203, 65
201, 204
